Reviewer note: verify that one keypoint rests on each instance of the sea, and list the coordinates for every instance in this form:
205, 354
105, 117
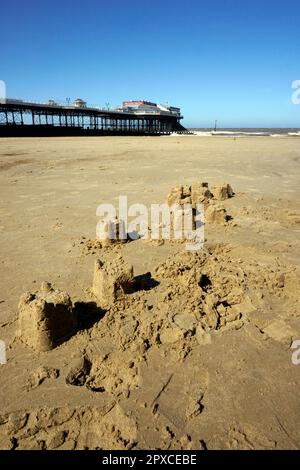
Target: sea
246, 132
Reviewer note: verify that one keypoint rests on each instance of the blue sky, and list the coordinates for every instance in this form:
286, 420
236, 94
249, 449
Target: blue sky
224, 59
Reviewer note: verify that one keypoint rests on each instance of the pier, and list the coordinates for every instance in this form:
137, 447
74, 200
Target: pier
23, 118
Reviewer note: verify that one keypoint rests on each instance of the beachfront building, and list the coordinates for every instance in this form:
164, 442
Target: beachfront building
147, 107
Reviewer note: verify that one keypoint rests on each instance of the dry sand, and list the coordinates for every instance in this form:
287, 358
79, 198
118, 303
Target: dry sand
200, 356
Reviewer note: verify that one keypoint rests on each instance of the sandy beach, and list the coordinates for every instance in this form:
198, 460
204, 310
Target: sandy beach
139, 375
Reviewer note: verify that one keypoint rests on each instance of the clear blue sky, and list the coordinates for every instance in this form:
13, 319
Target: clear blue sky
225, 59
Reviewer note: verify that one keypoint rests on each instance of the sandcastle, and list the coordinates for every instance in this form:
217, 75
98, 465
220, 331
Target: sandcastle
112, 280
46, 318
222, 191
215, 214
111, 231
199, 193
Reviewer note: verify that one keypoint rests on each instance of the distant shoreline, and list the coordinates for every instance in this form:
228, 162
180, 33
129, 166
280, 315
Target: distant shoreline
246, 132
